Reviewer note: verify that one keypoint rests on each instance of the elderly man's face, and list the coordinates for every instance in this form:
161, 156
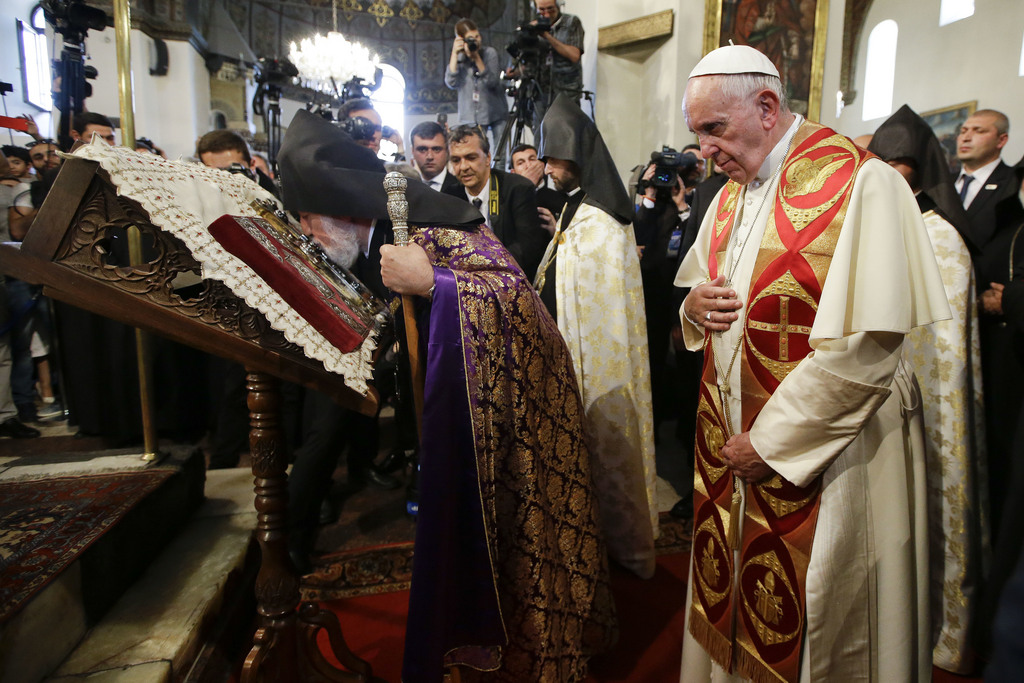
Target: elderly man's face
341, 237
431, 155
374, 118
732, 132
549, 9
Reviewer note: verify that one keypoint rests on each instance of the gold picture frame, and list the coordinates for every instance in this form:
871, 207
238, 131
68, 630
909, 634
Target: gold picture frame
784, 38
945, 123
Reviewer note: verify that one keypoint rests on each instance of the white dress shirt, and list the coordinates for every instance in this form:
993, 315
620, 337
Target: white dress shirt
980, 178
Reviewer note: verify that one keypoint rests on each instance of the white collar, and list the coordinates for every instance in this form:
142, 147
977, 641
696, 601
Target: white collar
982, 173
484, 196
777, 155
439, 178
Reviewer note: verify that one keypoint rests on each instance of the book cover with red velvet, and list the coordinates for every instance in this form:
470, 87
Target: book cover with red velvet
335, 308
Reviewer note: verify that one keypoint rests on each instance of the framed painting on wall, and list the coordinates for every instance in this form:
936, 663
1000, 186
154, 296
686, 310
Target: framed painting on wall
945, 123
790, 32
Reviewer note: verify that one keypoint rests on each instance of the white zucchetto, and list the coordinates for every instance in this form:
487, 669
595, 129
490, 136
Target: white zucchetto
734, 59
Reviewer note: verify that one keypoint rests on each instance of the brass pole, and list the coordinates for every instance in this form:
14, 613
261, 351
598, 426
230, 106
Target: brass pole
123, 35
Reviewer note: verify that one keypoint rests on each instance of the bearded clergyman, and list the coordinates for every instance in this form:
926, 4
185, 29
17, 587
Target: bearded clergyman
590, 280
810, 551
510, 578
946, 357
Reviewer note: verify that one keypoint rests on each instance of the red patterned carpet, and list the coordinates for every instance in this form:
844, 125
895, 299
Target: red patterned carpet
368, 590
46, 524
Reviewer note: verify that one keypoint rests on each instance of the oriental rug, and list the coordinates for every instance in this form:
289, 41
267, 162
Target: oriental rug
45, 524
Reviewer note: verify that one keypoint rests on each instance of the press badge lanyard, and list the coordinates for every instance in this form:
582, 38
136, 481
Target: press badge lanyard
492, 204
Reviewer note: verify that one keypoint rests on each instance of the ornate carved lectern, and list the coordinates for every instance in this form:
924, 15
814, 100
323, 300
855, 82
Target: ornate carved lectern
69, 251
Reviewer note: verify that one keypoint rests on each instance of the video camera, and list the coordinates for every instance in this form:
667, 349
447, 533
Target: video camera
669, 165
528, 47
73, 18
272, 71
362, 128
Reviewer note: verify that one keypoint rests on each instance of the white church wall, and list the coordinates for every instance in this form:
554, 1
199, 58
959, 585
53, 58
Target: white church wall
171, 110
639, 90
977, 58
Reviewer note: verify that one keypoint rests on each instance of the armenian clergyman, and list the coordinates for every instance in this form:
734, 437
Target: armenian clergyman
590, 276
511, 576
810, 538
946, 357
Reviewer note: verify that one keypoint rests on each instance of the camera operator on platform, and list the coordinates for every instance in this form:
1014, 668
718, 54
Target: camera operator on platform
562, 71
474, 71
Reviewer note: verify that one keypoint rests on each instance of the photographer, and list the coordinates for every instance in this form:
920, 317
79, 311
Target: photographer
473, 70
561, 71
660, 219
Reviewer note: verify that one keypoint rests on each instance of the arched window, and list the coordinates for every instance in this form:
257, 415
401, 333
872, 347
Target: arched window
880, 72
955, 10
35, 61
389, 101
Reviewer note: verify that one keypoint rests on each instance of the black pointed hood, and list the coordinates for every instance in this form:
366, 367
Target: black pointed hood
905, 135
567, 133
324, 171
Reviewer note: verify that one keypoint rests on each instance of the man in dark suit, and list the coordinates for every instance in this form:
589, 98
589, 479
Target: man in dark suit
430, 152
507, 202
988, 189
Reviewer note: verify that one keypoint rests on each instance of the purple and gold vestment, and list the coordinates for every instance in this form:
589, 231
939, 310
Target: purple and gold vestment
510, 572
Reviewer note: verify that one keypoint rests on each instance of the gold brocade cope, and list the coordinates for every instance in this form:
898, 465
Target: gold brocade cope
808, 210
540, 513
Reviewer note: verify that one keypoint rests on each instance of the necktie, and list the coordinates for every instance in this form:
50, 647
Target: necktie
477, 203
963, 188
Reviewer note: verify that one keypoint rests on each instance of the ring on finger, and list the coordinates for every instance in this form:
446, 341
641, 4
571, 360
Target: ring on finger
707, 316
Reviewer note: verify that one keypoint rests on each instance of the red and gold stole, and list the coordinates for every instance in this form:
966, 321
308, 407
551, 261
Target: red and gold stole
756, 628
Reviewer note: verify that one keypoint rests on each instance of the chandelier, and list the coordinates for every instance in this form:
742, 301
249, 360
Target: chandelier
328, 63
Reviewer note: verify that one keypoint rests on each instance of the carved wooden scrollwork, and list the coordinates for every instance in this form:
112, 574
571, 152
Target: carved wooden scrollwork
98, 247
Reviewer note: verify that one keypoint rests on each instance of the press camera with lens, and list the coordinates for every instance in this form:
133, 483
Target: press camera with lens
669, 165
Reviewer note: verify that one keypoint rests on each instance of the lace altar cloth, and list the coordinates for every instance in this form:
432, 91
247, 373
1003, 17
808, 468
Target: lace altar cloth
183, 198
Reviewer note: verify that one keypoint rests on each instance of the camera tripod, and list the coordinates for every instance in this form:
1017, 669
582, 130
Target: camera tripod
520, 116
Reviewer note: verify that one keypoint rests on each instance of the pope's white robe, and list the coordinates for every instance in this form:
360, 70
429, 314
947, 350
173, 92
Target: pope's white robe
849, 411
946, 359
601, 315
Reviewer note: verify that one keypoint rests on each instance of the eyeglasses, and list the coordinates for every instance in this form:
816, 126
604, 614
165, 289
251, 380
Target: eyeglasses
44, 141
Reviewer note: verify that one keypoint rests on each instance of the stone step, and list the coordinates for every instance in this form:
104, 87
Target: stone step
156, 630
34, 640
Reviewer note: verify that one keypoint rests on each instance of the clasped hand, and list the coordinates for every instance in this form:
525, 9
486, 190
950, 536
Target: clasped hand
742, 459
712, 306
406, 269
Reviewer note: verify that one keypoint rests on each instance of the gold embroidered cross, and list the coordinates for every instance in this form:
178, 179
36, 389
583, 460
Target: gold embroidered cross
782, 327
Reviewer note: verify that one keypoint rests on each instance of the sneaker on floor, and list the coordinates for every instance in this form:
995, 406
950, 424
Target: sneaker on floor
51, 411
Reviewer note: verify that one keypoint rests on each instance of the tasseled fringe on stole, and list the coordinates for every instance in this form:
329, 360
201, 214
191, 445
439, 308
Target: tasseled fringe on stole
750, 666
713, 642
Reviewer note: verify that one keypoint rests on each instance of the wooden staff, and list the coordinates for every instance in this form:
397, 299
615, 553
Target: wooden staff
398, 209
